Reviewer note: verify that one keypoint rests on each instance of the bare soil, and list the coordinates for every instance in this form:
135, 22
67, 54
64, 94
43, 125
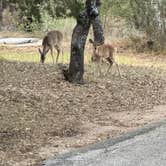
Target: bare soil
41, 115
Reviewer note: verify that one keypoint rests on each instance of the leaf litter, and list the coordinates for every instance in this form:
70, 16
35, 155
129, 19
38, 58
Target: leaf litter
41, 115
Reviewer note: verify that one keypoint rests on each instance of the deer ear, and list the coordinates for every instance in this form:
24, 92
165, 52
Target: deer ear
91, 41
40, 51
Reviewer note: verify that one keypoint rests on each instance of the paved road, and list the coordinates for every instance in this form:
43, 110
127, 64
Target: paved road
144, 148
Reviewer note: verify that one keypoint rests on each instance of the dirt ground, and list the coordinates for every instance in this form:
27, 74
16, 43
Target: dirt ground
41, 115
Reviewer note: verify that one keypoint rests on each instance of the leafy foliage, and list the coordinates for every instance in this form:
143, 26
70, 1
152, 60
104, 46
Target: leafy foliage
148, 16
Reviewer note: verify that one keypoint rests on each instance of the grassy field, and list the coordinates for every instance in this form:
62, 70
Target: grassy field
31, 54
27, 55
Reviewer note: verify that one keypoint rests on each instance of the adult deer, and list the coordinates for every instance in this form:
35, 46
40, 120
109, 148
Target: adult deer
52, 40
102, 53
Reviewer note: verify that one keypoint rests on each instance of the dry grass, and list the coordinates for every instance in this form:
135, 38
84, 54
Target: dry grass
143, 60
31, 54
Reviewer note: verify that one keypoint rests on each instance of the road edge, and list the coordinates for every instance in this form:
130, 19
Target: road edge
109, 142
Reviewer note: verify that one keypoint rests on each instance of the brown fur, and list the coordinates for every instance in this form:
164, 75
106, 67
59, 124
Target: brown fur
103, 52
52, 40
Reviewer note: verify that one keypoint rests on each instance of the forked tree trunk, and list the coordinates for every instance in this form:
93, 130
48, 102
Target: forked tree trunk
76, 67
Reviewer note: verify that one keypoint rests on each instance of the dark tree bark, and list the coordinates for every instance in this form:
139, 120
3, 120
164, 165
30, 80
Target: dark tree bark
76, 67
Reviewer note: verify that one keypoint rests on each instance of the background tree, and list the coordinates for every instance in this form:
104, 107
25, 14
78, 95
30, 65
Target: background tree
147, 17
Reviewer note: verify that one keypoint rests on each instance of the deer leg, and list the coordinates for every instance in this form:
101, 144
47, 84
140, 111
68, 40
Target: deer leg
110, 61
51, 49
62, 55
99, 69
109, 67
57, 57
117, 68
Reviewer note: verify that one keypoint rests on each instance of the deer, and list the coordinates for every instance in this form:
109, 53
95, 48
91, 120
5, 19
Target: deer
52, 40
104, 52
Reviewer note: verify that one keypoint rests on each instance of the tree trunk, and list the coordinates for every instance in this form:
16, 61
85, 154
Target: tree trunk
76, 68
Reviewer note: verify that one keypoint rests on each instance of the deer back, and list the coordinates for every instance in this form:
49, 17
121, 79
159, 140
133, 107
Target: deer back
53, 38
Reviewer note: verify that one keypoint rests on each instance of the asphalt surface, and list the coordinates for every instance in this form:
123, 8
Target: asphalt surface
144, 147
